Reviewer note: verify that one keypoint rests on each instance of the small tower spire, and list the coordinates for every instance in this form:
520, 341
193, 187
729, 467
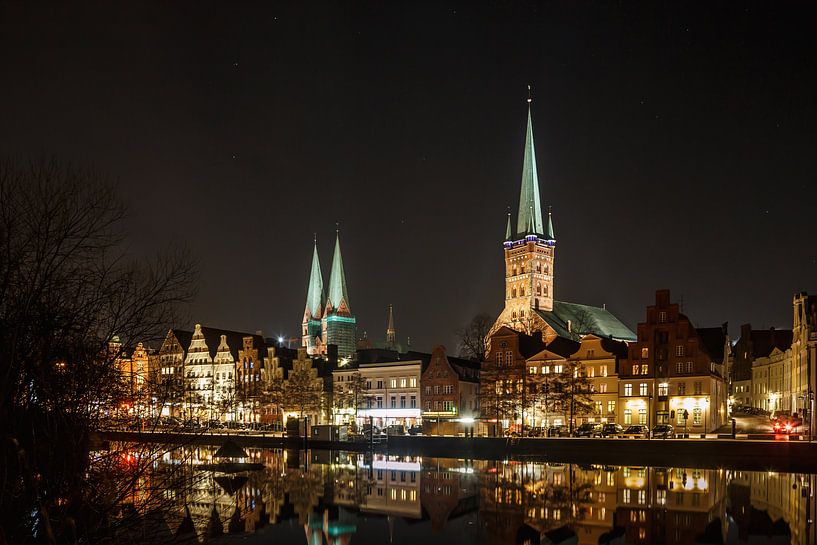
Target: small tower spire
550, 235
508, 229
391, 332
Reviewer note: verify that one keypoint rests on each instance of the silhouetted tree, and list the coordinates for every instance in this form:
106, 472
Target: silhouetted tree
473, 337
67, 289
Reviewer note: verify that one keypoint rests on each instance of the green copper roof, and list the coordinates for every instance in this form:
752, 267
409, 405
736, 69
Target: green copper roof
570, 320
550, 235
337, 279
508, 230
314, 294
530, 209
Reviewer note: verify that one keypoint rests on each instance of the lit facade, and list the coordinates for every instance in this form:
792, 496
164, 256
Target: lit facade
450, 389
392, 392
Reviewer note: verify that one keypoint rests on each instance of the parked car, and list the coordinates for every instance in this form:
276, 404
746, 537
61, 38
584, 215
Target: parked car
785, 424
536, 431
636, 432
588, 430
558, 431
395, 429
415, 430
611, 430
663, 431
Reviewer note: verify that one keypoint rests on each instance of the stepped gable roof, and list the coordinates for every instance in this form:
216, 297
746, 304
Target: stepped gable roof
235, 340
713, 340
570, 320
764, 341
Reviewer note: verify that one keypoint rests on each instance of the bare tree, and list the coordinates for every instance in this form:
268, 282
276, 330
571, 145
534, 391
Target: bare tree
303, 390
473, 337
572, 391
352, 394
67, 288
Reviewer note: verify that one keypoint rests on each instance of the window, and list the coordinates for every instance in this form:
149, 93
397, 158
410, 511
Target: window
413, 382
642, 416
448, 389
402, 402
611, 407
642, 389
393, 402
603, 370
689, 367
393, 383
509, 357
635, 369
625, 495
603, 388
628, 416
557, 368
696, 388
662, 317
532, 370
696, 416
448, 406
437, 389
379, 402
379, 384
679, 350
644, 368
403, 383
628, 390
499, 359
598, 407
645, 353
591, 371
679, 367
682, 388
428, 390
662, 389
413, 402
546, 369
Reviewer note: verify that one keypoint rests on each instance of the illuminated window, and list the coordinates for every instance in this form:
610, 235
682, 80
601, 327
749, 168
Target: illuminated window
603, 370
682, 388
696, 416
679, 350
642, 416
509, 358
603, 388
413, 382
697, 387
642, 389
628, 416
645, 353
611, 407
635, 369
532, 370
662, 389
644, 369
628, 390
625, 495
662, 317
591, 372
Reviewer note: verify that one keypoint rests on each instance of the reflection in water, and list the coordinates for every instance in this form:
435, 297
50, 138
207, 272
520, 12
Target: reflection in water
339, 498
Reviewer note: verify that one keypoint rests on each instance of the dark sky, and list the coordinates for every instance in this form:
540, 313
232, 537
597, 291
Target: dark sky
677, 146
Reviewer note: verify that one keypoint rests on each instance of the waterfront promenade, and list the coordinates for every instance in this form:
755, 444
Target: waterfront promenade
742, 454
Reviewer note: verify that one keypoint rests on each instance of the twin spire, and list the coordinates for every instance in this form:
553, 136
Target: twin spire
338, 295
529, 219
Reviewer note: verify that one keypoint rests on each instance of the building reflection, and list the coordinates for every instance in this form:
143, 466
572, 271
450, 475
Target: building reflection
334, 495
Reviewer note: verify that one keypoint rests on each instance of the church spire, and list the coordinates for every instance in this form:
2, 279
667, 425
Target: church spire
530, 208
508, 229
338, 295
314, 294
391, 332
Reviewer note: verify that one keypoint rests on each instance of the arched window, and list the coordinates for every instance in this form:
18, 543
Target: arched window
513, 292
545, 292
513, 315
538, 289
522, 313
522, 291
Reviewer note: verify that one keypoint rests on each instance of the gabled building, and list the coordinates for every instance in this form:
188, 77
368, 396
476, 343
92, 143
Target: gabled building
450, 394
529, 252
674, 372
752, 345
328, 318
600, 358
169, 392
804, 356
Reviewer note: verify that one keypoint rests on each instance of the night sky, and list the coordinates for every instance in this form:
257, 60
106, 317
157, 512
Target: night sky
676, 145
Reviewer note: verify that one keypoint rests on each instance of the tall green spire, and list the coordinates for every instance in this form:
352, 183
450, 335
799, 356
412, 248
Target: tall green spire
314, 294
530, 209
337, 278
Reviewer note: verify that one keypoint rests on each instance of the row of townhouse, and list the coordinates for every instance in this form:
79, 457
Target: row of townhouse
774, 369
672, 373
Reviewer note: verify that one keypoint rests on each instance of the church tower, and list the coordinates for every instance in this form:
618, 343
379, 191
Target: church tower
311, 330
529, 250
338, 323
